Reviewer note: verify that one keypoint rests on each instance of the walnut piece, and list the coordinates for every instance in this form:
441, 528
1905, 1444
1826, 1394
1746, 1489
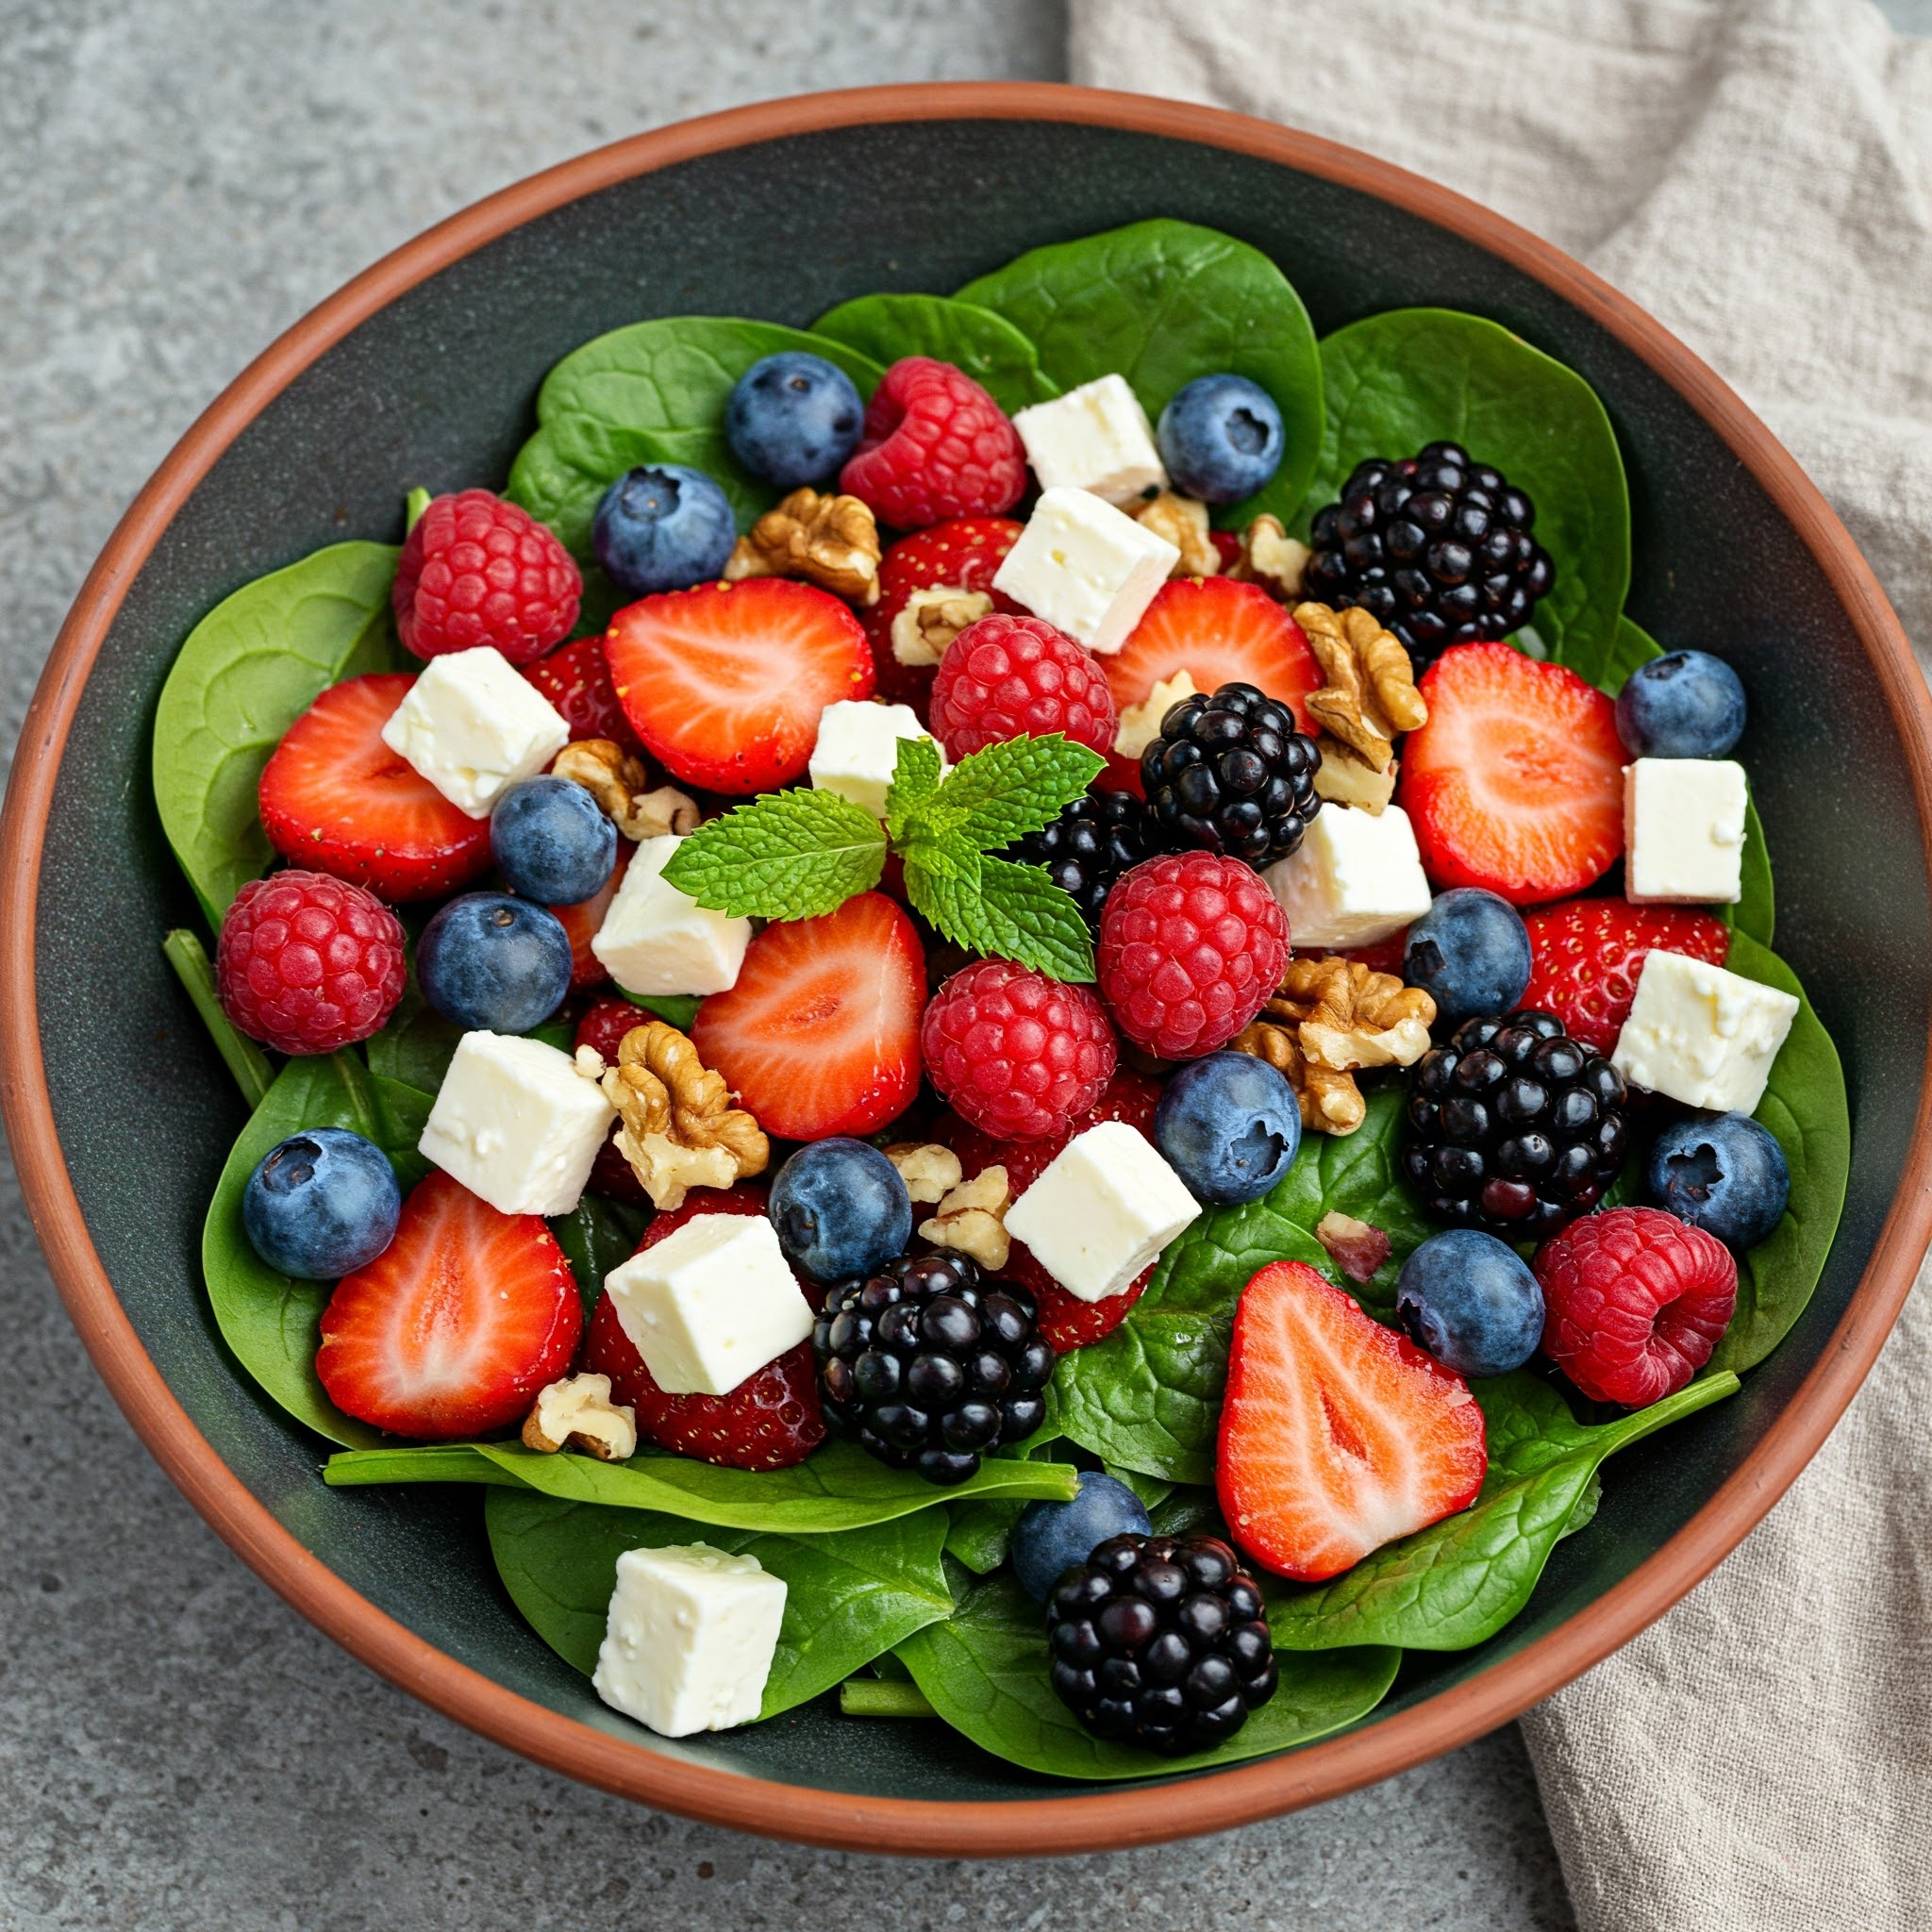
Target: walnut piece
677, 1127
1140, 723
929, 1171
1270, 558
973, 1219
616, 780
1369, 694
578, 1413
1355, 1247
832, 541
1184, 524
931, 619
1343, 777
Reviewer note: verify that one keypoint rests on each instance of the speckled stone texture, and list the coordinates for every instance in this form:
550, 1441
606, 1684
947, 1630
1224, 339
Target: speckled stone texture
177, 183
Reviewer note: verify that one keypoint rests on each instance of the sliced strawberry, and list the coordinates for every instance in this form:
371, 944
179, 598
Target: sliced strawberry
1516, 782
575, 677
820, 1034
457, 1324
334, 798
724, 683
960, 556
582, 920
1586, 955
1336, 1434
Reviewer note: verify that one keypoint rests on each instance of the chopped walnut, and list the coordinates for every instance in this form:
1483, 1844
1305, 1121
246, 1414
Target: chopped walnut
1140, 723
616, 780
677, 1127
578, 1413
973, 1219
832, 541
1184, 524
588, 1062
1345, 778
931, 619
929, 1171
1353, 1246
1270, 558
1369, 692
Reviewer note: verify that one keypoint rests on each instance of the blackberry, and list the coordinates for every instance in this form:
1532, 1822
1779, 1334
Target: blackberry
1515, 1126
1437, 547
1230, 773
928, 1365
1095, 839
1160, 1641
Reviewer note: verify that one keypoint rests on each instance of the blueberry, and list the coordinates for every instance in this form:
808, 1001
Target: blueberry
1221, 438
665, 527
1469, 1301
1722, 1173
1050, 1538
793, 418
1229, 1127
552, 842
1469, 953
490, 961
1689, 705
841, 1209
321, 1204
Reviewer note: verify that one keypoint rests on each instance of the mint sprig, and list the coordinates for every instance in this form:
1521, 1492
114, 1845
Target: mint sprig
786, 856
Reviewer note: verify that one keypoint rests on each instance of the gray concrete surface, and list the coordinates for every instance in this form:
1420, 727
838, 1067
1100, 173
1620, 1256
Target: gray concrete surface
177, 183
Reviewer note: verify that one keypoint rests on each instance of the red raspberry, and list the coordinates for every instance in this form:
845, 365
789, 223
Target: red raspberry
476, 570
307, 963
960, 556
604, 1022
1190, 947
577, 680
1016, 1053
1019, 677
1585, 956
935, 445
1634, 1302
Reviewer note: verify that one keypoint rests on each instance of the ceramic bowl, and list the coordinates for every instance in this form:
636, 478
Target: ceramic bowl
424, 371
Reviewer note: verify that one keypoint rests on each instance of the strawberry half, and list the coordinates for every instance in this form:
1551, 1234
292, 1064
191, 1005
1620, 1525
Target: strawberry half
457, 1324
725, 682
1336, 1434
334, 798
1516, 782
575, 677
1586, 955
820, 1036
582, 920
962, 555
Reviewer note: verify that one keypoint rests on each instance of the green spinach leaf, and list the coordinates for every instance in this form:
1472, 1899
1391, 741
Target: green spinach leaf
596, 1235
982, 343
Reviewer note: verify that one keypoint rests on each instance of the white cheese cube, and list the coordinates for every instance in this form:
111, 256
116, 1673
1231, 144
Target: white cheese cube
1356, 877
709, 1305
1701, 1034
1086, 567
1102, 1211
1096, 437
690, 1638
1683, 831
857, 750
517, 1123
656, 939
474, 727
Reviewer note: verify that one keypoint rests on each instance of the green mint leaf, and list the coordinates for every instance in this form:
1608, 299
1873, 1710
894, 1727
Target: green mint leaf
1007, 789
915, 778
943, 883
792, 855
1002, 911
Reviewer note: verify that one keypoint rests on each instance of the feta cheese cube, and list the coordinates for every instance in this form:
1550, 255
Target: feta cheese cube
1683, 831
1701, 1034
474, 727
1096, 437
1086, 567
1102, 1211
1356, 877
517, 1123
709, 1305
857, 750
656, 939
691, 1637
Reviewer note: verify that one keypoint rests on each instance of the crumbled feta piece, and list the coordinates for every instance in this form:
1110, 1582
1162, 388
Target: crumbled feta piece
709, 1305
1096, 437
1102, 1211
474, 727
857, 750
1356, 877
516, 1123
1086, 567
656, 939
1701, 1034
691, 1637
1683, 831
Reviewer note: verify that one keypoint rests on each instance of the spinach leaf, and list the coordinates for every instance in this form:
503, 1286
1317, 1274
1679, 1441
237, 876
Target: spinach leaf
982, 343
248, 670
1633, 645
1399, 381
985, 1671
1462, 1579
848, 1597
1804, 1106
653, 392
840, 1486
253, 1069
1161, 302
596, 1235
979, 1534
675, 1008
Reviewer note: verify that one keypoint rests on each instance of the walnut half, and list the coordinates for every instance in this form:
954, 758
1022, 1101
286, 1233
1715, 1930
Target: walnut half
1270, 558
578, 1413
832, 541
1184, 523
1368, 693
677, 1127
973, 1219
616, 780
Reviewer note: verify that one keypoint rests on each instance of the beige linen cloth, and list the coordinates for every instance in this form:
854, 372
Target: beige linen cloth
1759, 174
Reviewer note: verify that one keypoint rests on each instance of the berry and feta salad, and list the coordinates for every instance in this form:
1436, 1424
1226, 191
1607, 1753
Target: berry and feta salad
1030, 1007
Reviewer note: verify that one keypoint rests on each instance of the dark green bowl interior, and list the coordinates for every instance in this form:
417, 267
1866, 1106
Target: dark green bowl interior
438, 389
